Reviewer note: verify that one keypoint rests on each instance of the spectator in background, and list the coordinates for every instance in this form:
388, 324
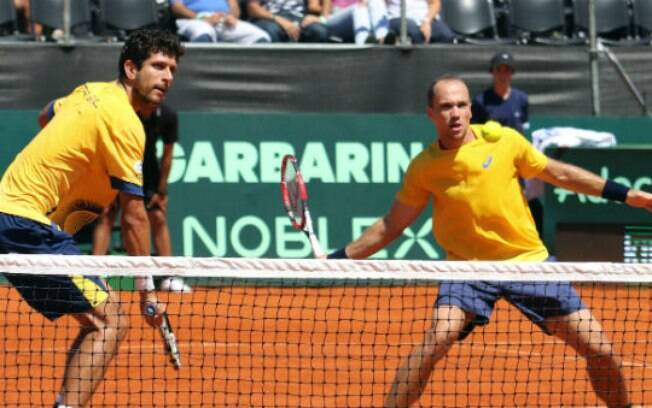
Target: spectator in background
502, 102
424, 25
359, 21
288, 20
508, 106
25, 22
163, 125
215, 21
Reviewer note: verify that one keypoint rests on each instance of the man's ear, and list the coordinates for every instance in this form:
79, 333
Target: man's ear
429, 111
130, 69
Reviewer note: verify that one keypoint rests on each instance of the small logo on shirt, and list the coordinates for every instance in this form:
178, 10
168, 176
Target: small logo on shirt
487, 163
138, 166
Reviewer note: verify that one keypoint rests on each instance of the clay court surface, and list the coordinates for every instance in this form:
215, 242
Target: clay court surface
318, 347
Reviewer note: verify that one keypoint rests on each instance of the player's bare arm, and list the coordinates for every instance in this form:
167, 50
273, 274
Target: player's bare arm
572, 178
135, 233
583, 181
383, 231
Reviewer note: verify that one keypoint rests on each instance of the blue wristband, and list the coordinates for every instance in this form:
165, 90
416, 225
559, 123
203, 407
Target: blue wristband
615, 191
339, 254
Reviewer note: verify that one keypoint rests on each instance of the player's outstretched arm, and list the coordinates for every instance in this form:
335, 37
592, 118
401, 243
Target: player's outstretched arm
582, 181
572, 178
381, 233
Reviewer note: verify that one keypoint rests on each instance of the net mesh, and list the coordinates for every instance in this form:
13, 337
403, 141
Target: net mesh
290, 333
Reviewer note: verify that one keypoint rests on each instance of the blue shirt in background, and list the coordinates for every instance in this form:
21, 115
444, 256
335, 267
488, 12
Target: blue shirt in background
512, 112
198, 6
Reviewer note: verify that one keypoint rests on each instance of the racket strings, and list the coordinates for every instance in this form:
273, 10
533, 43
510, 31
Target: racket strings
295, 204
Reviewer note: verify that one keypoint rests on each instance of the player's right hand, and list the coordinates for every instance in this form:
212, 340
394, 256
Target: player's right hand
151, 308
639, 199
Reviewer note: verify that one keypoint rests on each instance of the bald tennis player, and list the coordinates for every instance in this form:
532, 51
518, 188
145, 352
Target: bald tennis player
471, 174
89, 150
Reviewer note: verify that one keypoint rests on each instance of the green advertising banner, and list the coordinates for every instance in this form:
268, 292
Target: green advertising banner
224, 185
225, 194
581, 227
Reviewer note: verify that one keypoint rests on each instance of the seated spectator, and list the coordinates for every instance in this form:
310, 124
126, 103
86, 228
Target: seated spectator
215, 21
25, 22
423, 22
287, 20
359, 21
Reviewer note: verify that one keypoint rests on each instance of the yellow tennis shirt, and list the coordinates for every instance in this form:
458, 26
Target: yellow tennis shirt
71, 170
479, 210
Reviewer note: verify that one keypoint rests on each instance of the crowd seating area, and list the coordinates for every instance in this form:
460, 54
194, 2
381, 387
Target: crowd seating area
551, 22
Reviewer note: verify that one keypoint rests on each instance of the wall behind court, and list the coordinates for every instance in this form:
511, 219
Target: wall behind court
326, 79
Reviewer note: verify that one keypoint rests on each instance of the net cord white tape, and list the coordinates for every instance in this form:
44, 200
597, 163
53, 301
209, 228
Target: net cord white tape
268, 268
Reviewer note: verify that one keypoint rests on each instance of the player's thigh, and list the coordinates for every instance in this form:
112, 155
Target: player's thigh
107, 315
543, 301
51, 295
475, 299
449, 323
582, 331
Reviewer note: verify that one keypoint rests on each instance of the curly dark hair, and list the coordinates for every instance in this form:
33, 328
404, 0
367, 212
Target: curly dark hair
141, 44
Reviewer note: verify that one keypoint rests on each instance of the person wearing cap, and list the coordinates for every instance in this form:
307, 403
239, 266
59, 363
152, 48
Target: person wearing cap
502, 102
508, 106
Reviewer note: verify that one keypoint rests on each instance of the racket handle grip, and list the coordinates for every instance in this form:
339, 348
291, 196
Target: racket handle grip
150, 310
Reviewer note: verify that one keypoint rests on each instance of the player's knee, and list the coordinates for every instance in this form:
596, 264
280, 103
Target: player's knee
441, 339
116, 321
158, 217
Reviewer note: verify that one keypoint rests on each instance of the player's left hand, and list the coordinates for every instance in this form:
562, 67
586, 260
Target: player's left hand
639, 199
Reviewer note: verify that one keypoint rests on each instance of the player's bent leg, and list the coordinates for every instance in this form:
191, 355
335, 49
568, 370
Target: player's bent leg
448, 323
102, 231
101, 331
582, 331
160, 232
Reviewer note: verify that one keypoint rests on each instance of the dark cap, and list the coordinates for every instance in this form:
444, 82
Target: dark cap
501, 58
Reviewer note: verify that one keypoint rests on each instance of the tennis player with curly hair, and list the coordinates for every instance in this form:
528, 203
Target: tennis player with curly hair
89, 150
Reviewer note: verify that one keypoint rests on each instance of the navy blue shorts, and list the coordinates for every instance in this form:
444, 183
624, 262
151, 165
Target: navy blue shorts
536, 300
51, 295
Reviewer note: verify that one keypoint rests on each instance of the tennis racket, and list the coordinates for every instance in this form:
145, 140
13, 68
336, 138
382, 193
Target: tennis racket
295, 201
169, 338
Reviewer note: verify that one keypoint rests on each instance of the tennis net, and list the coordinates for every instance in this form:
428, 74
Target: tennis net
310, 333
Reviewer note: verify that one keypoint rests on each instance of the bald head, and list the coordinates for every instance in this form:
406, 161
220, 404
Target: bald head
449, 108
443, 82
